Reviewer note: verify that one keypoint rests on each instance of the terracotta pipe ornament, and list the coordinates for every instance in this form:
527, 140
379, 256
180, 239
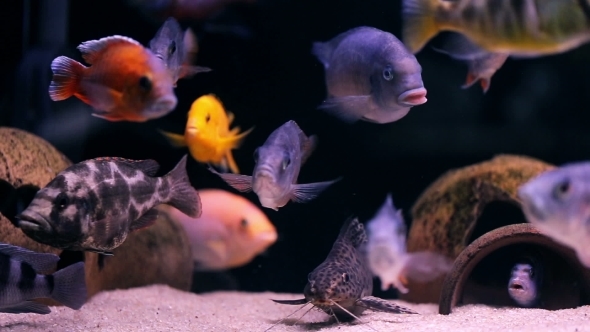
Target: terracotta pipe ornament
565, 281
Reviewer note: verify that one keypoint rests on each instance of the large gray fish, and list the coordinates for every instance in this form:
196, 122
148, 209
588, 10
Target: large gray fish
20, 281
278, 162
525, 280
342, 284
387, 255
177, 49
94, 204
370, 75
556, 202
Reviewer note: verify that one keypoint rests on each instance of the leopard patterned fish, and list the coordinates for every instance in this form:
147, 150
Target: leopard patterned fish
342, 284
20, 281
93, 205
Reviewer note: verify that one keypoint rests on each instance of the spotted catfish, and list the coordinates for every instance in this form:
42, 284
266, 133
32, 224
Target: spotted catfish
342, 284
93, 205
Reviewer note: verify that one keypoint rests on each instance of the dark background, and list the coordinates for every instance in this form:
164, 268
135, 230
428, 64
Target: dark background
536, 107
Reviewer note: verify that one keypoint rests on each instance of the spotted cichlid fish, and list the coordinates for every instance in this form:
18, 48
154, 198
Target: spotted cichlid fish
176, 48
525, 281
342, 284
387, 256
556, 203
370, 76
93, 205
518, 27
278, 162
21, 281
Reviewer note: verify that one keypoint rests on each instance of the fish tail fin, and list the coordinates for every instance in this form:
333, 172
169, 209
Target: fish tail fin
69, 286
182, 194
66, 76
419, 23
174, 139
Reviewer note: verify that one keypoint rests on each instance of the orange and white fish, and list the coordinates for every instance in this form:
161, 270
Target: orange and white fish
230, 232
125, 82
207, 133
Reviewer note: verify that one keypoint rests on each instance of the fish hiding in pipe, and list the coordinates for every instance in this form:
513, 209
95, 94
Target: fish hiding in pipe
525, 281
21, 281
94, 204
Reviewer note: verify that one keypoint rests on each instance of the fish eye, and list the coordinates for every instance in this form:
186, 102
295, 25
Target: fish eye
255, 155
388, 73
345, 277
244, 223
61, 201
172, 47
145, 83
561, 189
208, 117
286, 163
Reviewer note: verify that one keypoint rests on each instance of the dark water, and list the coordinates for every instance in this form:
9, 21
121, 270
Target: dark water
536, 107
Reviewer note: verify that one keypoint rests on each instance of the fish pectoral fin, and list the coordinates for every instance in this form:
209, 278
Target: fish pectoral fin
348, 109
26, 307
219, 248
188, 71
302, 193
242, 183
308, 147
41, 262
176, 140
424, 266
377, 304
233, 166
291, 302
147, 219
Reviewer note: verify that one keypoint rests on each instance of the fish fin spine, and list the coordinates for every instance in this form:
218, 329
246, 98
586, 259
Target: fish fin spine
66, 77
419, 23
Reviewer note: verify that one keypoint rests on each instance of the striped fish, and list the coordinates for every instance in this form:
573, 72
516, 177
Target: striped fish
525, 28
20, 281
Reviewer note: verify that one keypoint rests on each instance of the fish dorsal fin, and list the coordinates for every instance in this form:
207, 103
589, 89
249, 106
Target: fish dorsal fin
93, 49
353, 232
40, 262
149, 166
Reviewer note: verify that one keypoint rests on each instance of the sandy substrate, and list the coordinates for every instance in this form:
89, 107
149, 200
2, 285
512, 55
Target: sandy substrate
161, 308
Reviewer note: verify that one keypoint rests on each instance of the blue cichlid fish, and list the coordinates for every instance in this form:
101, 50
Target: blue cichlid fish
525, 28
525, 281
387, 256
21, 281
278, 162
94, 204
556, 203
370, 75
177, 49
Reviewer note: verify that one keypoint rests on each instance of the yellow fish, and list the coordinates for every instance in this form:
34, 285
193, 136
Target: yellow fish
526, 28
207, 133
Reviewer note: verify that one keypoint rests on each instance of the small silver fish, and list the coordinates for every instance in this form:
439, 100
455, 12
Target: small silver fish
278, 162
94, 204
387, 256
341, 285
481, 63
20, 281
370, 75
524, 283
176, 49
556, 203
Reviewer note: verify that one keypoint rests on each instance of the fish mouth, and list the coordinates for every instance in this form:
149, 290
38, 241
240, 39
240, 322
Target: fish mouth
412, 97
268, 237
163, 105
33, 221
517, 286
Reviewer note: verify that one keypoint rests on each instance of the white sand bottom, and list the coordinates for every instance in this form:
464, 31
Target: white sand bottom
161, 308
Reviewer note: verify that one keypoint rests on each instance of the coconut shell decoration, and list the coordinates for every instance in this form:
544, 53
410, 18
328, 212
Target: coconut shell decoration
159, 254
447, 219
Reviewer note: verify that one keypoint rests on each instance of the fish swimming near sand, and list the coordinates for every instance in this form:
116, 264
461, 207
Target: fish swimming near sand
177, 49
125, 82
342, 284
207, 134
21, 281
230, 232
94, 204
525, 28
525, 280
387, 256
370, 75
278, 162
556, 203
